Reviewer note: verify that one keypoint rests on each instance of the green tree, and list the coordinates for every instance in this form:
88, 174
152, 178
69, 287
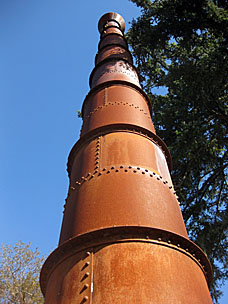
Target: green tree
181, 45
19, 274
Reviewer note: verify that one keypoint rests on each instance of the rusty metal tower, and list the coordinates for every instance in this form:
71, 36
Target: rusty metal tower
123, 239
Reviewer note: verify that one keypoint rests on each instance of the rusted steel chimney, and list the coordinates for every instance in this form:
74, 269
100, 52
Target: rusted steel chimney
123, 239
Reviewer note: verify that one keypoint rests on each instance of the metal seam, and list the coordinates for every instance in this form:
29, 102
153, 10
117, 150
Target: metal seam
111, 83
101, 131
114, 60
180, 244
113, 104
97, 156
116, 169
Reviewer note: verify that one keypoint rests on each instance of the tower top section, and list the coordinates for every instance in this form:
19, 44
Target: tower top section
111, 19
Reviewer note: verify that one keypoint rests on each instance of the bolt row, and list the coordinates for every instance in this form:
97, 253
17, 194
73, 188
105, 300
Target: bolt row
122, 168
117, 103
97, 154
84, 277
181, 247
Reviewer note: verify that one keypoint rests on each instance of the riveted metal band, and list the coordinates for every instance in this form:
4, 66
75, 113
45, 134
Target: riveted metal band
115, 103
75, 185
107, 84
115, 52
118, 128
89, 242
107, 60
113, 43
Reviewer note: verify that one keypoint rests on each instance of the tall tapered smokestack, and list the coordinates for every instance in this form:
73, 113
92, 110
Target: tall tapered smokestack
123, 239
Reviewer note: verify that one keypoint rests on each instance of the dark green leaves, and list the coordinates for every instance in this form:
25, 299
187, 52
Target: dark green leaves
182, 46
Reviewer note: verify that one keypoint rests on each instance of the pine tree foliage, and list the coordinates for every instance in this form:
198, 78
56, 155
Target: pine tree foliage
181, 45
19, 274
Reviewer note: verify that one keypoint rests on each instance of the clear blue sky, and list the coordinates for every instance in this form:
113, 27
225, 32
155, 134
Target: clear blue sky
46, 56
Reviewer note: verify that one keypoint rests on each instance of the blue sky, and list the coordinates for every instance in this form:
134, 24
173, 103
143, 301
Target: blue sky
46, 56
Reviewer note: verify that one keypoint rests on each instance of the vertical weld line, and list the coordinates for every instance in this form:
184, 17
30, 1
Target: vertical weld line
91, 278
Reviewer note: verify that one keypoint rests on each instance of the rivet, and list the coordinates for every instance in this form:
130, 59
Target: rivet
134, 171
169, 242
198, 260
97, 162
186, 249
88, 253
86, 274
99, 174
117, 170
95, 171
151, 175
96, 158
158, 178
87, 263
91, 176
86, 297
125, 170
112, 168
178, 245
86, 285
121, 167
154, 173
143, 172
97, 154
146, 170
108, 172
194, 254
129, 167
170, 187
159, 239
174, 192
138, 168
164, 182
104, 169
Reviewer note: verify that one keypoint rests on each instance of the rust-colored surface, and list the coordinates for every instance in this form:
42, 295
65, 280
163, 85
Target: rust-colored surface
123, 239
